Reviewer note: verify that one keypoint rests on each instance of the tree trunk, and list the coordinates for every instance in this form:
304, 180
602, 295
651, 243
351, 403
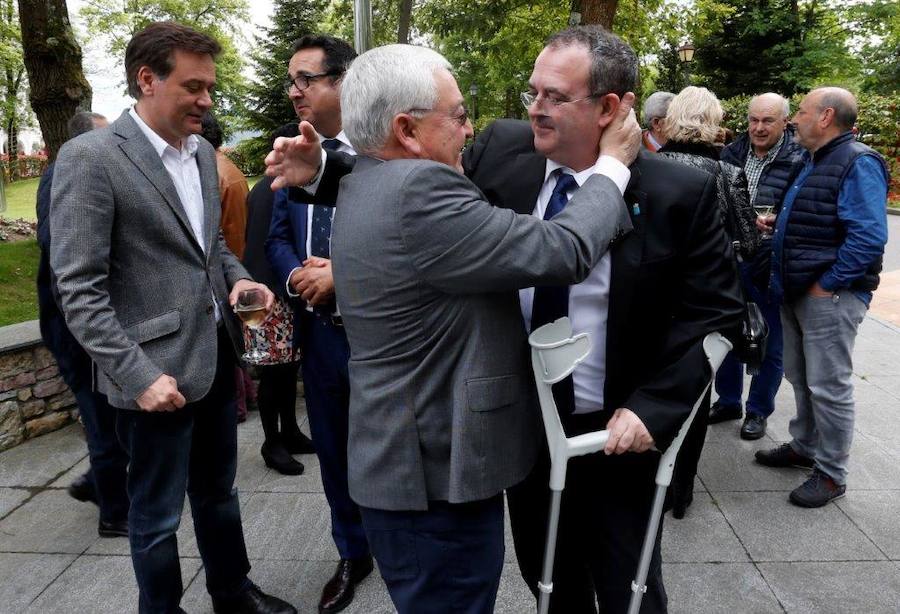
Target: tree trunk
403, 22
12, 147
602, 12
53, 62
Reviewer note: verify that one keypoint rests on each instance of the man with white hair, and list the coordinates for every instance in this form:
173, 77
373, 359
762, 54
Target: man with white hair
443, 415
653, 113
770, 158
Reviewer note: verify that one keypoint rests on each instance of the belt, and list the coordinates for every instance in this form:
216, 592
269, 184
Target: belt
335, 319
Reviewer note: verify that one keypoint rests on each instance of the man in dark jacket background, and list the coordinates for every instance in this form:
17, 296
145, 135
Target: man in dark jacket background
827, 250
104, 481
770, 158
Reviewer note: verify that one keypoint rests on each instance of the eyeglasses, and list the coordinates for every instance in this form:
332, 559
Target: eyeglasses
529, 98
460, 118
302, 81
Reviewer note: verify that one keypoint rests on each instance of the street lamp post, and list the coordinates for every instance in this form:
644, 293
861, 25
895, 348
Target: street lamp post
686, 55
473, 94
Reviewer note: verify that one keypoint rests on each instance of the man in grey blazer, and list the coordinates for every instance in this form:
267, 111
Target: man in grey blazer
443, 414
144, 279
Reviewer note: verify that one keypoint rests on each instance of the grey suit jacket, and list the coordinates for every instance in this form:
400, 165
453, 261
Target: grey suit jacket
442, 404
135, 285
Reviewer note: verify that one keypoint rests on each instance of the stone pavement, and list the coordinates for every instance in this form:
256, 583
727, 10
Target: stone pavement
741, 548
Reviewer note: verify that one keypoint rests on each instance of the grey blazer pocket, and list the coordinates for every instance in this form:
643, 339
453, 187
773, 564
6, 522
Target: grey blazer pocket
487, 393
154, 328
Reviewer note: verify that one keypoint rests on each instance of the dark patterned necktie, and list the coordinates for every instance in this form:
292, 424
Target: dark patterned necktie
320, 237
552, 302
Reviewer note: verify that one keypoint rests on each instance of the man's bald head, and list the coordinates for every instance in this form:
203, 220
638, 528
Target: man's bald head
841, 101
766, 118
823, 115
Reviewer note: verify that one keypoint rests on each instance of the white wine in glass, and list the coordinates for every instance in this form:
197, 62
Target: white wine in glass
251, 309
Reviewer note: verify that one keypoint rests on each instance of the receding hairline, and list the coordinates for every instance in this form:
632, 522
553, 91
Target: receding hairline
777, 100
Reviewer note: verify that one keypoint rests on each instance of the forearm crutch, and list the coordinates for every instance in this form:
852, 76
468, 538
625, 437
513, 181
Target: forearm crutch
715, 346
554, 355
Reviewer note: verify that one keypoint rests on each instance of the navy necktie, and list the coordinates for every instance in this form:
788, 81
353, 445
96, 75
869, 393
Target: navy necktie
552, 302
320, 233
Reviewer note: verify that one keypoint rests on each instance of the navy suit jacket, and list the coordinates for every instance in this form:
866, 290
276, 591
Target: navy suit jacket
286, 244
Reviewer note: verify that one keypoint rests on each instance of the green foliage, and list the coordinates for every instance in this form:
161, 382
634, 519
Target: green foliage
492, 44
770, 45
118, 20
879, 49
268, 107
14, 110
248, 155
18, 270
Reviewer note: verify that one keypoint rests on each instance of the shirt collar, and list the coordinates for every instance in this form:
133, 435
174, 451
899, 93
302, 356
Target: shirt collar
189, 145
580, 177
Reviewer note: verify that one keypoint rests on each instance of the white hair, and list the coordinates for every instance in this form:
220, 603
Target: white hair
656, 106
784, 102
382, 83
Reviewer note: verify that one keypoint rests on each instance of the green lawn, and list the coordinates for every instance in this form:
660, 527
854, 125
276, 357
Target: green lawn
251, 181
20, 199
18, 273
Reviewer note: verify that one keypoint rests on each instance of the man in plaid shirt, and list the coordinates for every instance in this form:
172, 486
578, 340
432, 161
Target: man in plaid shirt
770, 159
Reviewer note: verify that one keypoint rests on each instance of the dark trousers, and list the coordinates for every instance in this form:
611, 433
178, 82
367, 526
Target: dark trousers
764, 386
446, 559
109, 460
326, 385
603, 518
193, 449
277, 399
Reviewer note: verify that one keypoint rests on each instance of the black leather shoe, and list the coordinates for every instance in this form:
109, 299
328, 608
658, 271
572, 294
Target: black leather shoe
680, 505
82, 489
721, 413
754, 427
296, 442
254, 601
783, 456
113, 528
338, 591
817, 490
276, 457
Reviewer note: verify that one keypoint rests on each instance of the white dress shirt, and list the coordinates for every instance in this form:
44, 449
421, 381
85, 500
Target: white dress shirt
589, 300
344, 146
182, 168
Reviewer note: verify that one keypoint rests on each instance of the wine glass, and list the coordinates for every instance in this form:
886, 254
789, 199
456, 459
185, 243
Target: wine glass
251, 309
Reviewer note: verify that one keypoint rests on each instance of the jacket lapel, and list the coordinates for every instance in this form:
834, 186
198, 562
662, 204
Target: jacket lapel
209, 185
525, 179
141, 153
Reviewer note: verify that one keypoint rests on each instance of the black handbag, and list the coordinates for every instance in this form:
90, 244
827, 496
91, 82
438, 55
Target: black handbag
751, 346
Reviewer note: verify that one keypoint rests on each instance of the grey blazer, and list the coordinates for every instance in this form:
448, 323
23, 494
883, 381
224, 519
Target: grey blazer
136, 287
442, 404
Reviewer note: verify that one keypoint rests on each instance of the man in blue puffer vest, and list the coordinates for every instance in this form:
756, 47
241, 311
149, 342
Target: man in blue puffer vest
770, 158
827, 247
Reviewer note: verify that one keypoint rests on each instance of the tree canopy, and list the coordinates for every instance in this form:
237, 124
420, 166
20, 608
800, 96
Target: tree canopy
118, 20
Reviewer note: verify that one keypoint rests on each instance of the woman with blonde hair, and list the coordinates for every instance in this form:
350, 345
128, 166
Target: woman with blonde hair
693, 129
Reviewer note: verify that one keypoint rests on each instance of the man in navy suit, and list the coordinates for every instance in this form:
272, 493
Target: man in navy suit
299, 251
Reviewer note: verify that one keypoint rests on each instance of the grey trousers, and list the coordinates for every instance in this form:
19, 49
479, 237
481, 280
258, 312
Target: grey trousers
819, 334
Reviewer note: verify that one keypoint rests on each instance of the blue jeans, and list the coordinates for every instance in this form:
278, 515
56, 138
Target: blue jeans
446, 559
194, 449
819, 334
763, 386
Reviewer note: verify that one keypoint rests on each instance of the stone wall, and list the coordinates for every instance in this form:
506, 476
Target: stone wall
34, 399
